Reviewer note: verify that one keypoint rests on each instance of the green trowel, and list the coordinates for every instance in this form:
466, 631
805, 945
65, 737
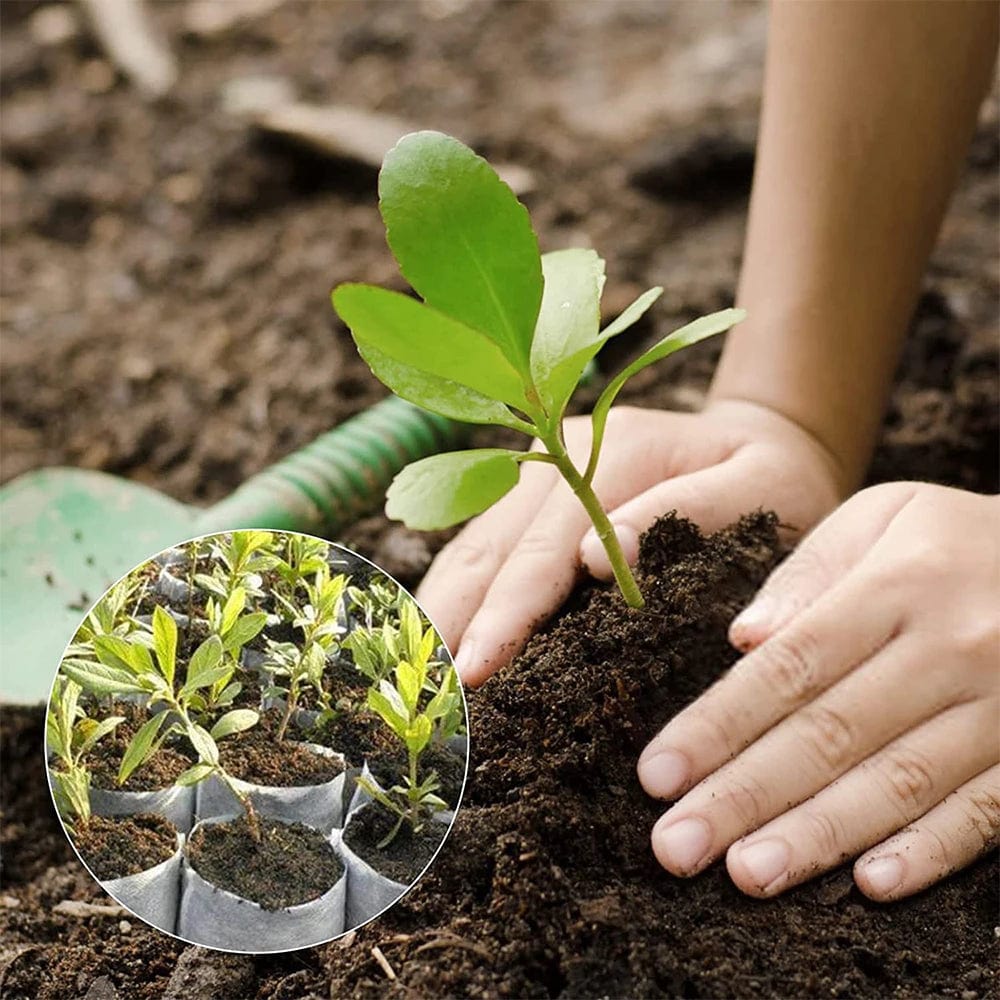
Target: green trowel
67, 534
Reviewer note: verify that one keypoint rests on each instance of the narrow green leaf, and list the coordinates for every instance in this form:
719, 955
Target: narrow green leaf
244, 629
99, 678
204, 745
692, 333
566, 334
199, 772
206, 657
418, 734
99, 731
54, 736
140, 747
384, 708
113, 651
442, 490
165, 642
462, 239
142, 661
408, 685
632, 314
233, 607
236, 721
421, 337
206, 679
439, 395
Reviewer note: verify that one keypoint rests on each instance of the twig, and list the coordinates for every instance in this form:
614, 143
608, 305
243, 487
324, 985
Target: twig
78, 908
455, 942
383, 962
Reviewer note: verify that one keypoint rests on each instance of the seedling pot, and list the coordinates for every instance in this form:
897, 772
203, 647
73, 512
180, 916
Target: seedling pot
153, 895
368, 892
176, 803
319, 806
218, 918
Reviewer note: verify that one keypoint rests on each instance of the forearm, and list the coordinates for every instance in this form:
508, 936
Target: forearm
868, 109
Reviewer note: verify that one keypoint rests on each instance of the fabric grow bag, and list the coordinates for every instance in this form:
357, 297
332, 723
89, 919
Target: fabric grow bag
153, 895
318, 806
176, 803
220, 919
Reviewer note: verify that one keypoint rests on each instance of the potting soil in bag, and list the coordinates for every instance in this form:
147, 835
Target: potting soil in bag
176, 803
368, 891
221, 919
318, 806
153, 895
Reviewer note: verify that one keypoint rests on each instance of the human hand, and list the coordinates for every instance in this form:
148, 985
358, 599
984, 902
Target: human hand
864, 716
514, 565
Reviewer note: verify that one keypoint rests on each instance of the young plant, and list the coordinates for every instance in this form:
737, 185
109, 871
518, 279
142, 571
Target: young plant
303, 557
241, 560
377, 602
234, 630
297, 668
502, 337
71, 735
131, 668
109, 616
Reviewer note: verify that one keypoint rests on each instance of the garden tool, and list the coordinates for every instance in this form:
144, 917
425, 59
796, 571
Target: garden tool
66, 535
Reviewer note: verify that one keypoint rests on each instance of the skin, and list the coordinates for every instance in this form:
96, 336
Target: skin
868, 110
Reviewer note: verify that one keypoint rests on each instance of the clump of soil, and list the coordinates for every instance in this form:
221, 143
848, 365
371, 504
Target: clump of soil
387, 765
116, 846
290, 864
160, 771
405, 856
258, 756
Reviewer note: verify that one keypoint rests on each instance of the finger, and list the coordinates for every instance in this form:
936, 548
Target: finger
535, 579
707, 497
873, 800
944, 840
840, 631
889, 695
825, 555
454, 586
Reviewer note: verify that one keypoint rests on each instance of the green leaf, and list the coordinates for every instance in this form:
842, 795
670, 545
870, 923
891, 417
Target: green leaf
424, 338
194, 774
418, 734
462, 239
142, 661
206, 657
387, 712
165, 642
408, 684
235, 721
204, 745
231, 610
566, 334
206, 679
113, 651
99, 678
440, 395
54, 736
442, 490
141, 746
99, 731
246, 628
228, 693
632, 314
692, 333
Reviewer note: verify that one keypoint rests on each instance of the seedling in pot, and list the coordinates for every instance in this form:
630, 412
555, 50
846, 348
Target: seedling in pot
241, 560
70, 734
109, 616
377, 602
234, 630
376, 651
304, 556
502, 337
130, 667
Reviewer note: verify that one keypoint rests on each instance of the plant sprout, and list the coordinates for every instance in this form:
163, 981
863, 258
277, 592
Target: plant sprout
234, 630
502, 336
241, 561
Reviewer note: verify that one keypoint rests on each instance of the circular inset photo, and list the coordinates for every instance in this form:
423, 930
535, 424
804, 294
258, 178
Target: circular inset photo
256, 741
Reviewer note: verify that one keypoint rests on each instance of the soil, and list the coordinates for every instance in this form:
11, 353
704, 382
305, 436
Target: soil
160, 771
116, 846
355, 735
405, 856
290, 864
165, 264
257, 756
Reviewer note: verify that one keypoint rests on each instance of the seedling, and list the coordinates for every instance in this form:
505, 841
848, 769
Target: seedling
377, 602
304, 556
234, 630
502, 337
241, 560
71, 735
109, 616
126, 668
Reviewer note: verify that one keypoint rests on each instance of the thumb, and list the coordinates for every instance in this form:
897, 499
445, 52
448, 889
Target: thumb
826, 554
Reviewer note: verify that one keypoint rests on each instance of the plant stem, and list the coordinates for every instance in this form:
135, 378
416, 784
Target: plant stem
602, 525
289, 708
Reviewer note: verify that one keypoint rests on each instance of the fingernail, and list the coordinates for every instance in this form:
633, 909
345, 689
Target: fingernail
596, 558
664, 773
465, 661
884, 874
682, 845
755, 618
765, 860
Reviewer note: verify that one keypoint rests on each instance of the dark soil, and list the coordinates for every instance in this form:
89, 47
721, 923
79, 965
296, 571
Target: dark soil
116, 846
187, 342
355, 735
386, 766
257, 756
405, 856
160, 771
290, 864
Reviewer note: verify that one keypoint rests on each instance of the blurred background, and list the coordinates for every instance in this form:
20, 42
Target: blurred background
181, 191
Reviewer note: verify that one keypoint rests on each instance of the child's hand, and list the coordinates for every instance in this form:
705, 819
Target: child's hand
865, 717
514, 565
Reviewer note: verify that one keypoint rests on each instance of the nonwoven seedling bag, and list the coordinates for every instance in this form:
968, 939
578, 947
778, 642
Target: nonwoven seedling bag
153, 895
221, 919
319, 806
368, 891
176, 803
